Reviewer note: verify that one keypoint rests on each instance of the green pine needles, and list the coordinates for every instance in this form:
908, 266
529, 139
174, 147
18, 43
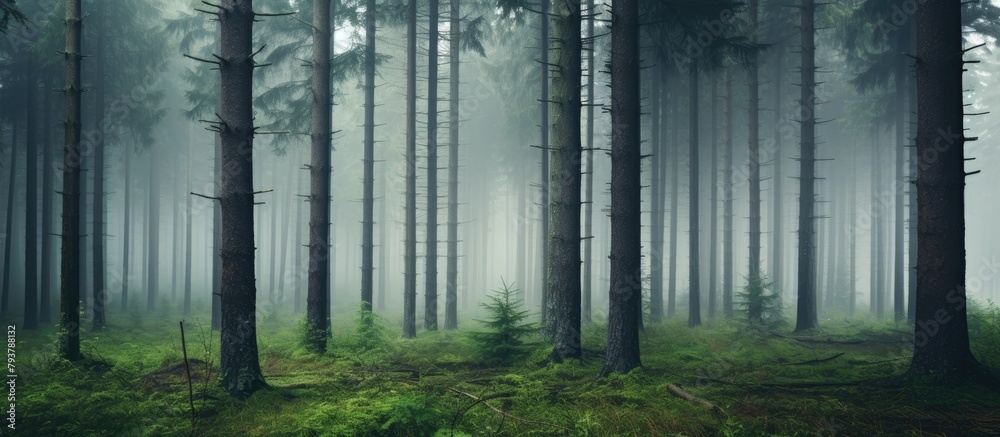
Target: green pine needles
506, 322
761, 304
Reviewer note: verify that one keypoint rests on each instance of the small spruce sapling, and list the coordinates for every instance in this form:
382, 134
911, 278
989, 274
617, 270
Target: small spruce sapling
506, 321
761, 305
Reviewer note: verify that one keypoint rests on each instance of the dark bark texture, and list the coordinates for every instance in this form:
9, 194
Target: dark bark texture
368, 197
806, 312
626, 290
410, 256
941, 342
238, 360
69, 310
563, 261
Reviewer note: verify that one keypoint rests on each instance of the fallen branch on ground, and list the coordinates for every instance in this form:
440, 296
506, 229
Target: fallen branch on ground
679, 392
506, 414
817, 361
789, 384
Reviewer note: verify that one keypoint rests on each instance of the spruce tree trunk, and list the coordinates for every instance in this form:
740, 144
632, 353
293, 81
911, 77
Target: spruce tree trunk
188, 224
383, 245
656, 201
806, 311
451, 281
31, 210
47, 273
548, 308
69, 311
753, 115
563, 260
217, 240
853, 236
881, 278
430, 273
410, 257
913, 219
727, 204
588, 182
238, 360
127, 227
675, 158
297, 305
368, 198
317, 305
272, 258
9, 242
153, 233
694, 254
898, 303
713, 236
873, 238
98, 236
626, 161
941, 342
778, 199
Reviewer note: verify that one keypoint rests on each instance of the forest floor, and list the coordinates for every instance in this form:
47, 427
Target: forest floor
133, 382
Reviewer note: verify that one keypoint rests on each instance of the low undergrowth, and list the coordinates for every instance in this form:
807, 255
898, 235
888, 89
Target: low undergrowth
371, 382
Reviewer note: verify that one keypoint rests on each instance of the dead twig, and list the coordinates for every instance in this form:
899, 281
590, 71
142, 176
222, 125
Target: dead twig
506, 414
679, 392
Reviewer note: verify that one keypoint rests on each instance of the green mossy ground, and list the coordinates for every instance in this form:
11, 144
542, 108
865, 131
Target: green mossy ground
133, 382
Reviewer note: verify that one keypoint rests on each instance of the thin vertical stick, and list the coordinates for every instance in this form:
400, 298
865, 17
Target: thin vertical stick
187, 369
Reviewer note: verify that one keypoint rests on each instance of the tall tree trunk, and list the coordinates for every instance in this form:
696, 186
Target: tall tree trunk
713, 236
853, 235
806, 311
217, 240
430, 274
153, 233
288, 224
47, 273
656, 200
451, 281
297, 305
127, 227
8, 243
675, 158
753, 114
694, 254
368, 201
31, 209
588, 182
317, 306
383, 243
873, 268
239, 365
899, 185
410, 257
564, 181
84, 233
548, 307
100, 294
626, 299
778, 199
69, 311
727, 203
882, 279
188, 224
273, 249
941, 342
